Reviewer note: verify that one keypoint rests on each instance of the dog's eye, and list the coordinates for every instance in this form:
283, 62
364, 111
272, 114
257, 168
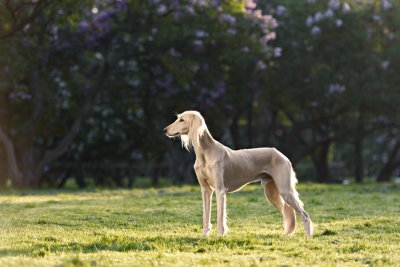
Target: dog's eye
181, 120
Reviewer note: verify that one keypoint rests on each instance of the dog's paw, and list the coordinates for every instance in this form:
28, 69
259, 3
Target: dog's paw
206, 231
223, 230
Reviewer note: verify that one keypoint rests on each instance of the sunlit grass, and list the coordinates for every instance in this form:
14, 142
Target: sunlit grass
354, 225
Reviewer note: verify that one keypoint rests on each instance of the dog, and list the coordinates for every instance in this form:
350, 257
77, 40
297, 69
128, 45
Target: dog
223, 170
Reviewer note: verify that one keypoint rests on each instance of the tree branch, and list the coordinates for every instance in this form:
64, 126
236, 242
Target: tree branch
19, 26
69, 137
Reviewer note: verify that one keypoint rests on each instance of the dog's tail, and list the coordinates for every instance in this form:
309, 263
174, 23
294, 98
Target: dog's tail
293, 182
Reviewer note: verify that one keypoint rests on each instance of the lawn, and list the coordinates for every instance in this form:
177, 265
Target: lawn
354, 226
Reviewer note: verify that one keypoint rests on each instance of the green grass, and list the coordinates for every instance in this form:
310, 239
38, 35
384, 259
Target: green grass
354, 226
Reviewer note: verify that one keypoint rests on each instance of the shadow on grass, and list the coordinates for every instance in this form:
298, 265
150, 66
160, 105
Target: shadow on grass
159, 244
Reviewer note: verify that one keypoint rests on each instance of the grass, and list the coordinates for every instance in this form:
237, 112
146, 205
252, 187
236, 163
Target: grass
354, 226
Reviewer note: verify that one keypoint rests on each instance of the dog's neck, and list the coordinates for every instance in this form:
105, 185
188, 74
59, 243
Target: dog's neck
206, 143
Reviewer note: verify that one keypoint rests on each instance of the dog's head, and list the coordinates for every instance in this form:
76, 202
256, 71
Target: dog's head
189, 126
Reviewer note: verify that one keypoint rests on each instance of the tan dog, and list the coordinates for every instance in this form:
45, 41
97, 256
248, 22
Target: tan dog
221, 169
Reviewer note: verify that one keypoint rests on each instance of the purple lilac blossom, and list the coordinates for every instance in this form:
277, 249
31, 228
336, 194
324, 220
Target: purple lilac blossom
386, 4
334, 4
121, 5
277, 52
216, 2
316, 30
377, 18
26, 27
84, 26
190, 10
100, 20
161, 9
20, 95
220, 88
227, 18
309, 21
174, 53
201, 3
385, 64
336, 88
329, 13
246, 49
280, 10
318, 16
346, 7
201, 34
231, 31
6, 70
175, 2
261, 65
198, 43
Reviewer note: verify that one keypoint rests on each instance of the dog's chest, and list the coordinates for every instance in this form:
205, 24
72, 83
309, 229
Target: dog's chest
206, 174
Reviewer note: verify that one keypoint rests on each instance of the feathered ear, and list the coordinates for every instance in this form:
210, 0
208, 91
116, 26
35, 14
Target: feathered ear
197, 128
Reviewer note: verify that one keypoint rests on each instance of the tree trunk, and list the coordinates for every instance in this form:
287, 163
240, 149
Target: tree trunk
320, 160
27, 162
359, 160
271, 124
358, 148
3, 170
155, 177
389, 167
14, 172
234, 130
250, 121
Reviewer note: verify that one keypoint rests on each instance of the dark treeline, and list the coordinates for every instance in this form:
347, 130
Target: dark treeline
86, 87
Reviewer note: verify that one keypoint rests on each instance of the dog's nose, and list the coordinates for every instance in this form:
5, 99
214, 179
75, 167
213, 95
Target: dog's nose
165, 130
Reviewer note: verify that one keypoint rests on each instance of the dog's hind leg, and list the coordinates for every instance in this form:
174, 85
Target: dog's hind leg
288, 213
285, 180
291, 197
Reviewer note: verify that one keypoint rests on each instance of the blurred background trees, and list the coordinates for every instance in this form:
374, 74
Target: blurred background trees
86, 87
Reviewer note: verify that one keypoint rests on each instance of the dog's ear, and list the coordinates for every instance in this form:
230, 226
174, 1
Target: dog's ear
197, 128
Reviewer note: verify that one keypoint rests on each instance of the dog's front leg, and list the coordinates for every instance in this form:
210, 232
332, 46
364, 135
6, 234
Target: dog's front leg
221, 212
207, 200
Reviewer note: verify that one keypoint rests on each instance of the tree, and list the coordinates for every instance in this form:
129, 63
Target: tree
328, 81
68, 64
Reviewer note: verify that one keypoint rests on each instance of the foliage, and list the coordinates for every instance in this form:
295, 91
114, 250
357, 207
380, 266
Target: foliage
163, 227
96, 81
330, 82
67, 63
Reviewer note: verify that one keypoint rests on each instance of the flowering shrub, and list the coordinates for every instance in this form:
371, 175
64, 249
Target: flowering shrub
97, 77
147, 56
334, 76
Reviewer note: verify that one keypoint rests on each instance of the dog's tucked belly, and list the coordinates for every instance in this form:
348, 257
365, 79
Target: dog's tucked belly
233, 186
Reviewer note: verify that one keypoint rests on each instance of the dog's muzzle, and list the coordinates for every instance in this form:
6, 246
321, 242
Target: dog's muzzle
169, 135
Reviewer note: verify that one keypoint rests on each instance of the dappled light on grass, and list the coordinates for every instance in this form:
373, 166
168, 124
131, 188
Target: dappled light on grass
356, 225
